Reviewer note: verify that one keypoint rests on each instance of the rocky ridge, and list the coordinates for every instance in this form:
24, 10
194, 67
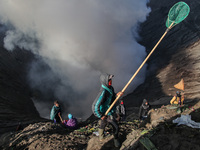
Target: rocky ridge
158, 128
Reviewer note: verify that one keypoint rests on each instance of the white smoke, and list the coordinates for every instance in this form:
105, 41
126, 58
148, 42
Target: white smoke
78, 40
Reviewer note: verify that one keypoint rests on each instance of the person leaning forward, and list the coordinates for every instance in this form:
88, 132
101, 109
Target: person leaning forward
55, 114
101, 104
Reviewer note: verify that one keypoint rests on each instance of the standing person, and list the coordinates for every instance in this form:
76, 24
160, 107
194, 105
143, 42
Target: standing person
144, 109
121, 111
103, 101
55, 114
72, 123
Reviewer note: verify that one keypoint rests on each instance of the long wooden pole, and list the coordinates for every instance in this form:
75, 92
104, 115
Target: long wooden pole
125, 87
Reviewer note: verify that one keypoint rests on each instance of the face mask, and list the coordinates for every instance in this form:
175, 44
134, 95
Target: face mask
109, 82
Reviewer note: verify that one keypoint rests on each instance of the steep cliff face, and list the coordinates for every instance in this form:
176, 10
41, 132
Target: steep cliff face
15, 103
176, 57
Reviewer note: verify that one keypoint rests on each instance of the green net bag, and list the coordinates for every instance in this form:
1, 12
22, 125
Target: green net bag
177, 13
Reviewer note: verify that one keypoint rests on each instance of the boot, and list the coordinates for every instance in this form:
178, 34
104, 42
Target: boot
101, 134
116, 142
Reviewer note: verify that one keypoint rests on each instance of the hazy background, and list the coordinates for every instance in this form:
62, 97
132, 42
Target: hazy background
74, 41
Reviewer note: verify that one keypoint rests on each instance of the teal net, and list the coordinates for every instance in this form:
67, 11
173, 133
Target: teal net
177, 13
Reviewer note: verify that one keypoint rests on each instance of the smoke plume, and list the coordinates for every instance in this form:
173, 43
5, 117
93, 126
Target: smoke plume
77, 40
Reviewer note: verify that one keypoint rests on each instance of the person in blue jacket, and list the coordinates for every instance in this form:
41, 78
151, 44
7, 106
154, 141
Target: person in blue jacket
102, 102
55, 114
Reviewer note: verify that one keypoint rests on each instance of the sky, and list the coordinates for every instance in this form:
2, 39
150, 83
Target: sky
75, 41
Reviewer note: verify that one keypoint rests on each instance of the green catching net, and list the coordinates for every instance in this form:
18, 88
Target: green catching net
177, 13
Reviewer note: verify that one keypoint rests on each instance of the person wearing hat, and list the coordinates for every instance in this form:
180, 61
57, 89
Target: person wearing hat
72, 123
144, 109
101, 104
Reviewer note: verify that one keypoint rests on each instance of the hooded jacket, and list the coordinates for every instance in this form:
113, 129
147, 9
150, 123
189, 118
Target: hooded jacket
105, 97
144, 109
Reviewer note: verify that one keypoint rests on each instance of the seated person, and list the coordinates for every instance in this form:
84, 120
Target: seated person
72, 123
178, 99
144, 109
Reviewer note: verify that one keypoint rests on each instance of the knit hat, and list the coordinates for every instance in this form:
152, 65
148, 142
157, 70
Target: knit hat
70, 116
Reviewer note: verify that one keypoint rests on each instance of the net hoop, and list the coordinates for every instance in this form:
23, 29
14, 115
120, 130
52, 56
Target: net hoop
177, 13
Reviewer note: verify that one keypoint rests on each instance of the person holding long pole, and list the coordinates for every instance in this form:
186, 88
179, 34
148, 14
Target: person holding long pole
176, 14
101, 107
102, 103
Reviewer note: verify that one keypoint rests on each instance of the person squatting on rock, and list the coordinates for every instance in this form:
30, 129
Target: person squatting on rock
72, 123
101, 104
178, 99
55, 114
144, 109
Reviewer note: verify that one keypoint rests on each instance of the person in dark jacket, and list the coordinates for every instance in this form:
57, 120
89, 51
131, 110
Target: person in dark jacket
103, 101
72, 123
55, 114
121, 111
144, 109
